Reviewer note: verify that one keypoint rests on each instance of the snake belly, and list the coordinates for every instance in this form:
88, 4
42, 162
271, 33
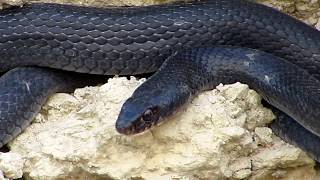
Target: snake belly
137, 40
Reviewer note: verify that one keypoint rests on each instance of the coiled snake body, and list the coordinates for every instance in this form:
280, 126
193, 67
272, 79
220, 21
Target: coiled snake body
128, 41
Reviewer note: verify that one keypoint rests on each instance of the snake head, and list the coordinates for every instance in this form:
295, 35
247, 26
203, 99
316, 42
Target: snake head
137, 116
150, 105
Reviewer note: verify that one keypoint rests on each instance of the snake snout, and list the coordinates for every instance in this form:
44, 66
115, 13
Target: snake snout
136, 117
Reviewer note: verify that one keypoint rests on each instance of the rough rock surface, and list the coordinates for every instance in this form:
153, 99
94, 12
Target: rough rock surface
11, 164
7, 3
220, 135
215, 136
306, 10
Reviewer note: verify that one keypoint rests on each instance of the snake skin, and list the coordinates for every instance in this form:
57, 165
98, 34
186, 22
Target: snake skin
290, 131
130, 41
137, 40
284, 85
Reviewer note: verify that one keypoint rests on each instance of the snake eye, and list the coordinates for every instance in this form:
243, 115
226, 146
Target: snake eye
150, 115
147, 115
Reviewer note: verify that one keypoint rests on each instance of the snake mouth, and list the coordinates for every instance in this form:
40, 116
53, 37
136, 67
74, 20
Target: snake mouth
146, 120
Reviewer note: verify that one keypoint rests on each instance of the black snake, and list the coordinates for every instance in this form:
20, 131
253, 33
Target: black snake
189, 42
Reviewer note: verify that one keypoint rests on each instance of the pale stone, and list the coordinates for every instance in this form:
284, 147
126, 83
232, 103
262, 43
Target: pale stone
205, 139
305, 10
11, 165
263, 135
279, 155
6, 3
242, 168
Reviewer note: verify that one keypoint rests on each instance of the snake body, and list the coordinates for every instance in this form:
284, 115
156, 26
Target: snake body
137, 40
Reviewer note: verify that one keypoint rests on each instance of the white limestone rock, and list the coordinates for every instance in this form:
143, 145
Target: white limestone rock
74, 138
11, 165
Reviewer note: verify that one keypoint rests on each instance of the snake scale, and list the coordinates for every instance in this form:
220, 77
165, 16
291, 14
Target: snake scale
193, 46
